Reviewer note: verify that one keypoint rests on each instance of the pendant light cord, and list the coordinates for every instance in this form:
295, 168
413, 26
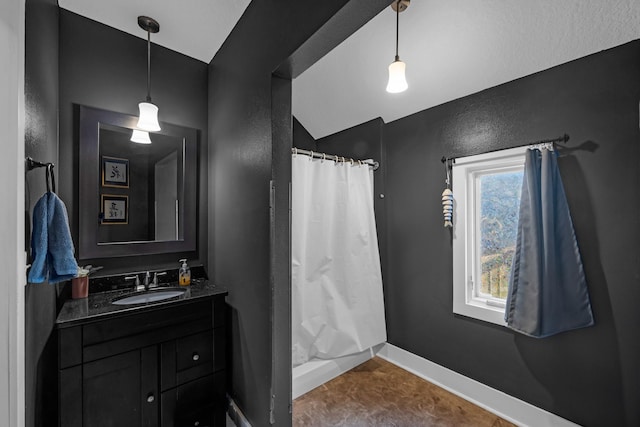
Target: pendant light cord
148, 66
397, 27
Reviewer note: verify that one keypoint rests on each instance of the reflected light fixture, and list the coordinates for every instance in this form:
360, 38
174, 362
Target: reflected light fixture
148, 120
140, 137
397, 80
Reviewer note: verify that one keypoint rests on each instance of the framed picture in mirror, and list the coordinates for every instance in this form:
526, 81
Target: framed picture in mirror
115, 209
115, 172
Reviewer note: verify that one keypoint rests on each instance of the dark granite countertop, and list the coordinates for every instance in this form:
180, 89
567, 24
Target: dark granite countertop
98, 306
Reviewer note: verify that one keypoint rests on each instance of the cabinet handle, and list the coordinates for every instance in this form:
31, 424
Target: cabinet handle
150, 398
196, 357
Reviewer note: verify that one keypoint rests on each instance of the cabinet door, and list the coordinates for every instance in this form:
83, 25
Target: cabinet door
198, 403
121, 390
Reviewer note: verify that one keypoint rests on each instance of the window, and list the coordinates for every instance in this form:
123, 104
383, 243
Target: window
486, 190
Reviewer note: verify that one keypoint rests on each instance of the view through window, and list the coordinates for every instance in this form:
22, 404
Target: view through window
487, 189
498, 221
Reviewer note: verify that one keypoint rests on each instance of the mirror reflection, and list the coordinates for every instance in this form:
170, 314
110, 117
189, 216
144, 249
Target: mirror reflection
135, 199
141, 187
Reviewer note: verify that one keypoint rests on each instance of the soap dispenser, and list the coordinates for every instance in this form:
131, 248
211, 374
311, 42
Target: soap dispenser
184, 274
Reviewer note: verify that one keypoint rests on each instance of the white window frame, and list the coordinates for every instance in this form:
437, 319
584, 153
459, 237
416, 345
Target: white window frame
466, 244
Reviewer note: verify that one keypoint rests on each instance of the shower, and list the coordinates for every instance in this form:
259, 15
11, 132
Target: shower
337, 299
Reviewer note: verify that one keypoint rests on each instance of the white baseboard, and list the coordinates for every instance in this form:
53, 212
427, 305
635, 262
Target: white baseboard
317, 372
505, 406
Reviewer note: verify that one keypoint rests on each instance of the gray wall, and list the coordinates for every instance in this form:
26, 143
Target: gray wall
244, 101
590, 376
41, 143
105, 68
302, 138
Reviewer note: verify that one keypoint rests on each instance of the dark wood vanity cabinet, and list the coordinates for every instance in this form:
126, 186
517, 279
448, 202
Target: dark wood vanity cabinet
153, 367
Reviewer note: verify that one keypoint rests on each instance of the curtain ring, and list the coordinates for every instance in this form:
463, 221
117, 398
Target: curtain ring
311, 156
359, 163
324, 157
295, 151
351, 161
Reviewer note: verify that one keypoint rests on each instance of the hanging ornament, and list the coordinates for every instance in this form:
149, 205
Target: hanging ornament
447, 196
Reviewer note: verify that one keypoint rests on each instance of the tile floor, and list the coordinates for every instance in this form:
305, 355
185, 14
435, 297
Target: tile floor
378, 393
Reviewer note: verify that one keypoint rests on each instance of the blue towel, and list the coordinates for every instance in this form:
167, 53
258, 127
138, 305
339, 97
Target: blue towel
39, 265
51, 244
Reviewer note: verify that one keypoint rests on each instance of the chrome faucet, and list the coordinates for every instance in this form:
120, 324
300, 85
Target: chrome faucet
155, 278
137, 287
147, 281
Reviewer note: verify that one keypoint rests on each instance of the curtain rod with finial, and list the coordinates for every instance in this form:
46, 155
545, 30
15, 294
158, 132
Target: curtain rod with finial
317, 155
563, 138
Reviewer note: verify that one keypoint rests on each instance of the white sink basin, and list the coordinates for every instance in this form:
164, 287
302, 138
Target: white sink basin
149, 296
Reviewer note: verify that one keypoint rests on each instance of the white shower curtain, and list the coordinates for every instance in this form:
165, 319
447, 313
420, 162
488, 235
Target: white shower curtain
337, 302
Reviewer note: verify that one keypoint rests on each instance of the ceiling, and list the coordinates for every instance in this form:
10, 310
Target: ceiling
451, 48
196, 28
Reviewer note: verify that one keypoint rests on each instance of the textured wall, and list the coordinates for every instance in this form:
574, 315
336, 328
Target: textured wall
106, 68
590, 376
302, 138
249, 113
41, 143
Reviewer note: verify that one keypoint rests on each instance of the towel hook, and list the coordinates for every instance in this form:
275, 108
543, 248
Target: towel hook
49, 176
50, 167
47, 179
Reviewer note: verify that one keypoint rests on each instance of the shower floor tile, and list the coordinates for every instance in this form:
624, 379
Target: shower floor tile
378, 393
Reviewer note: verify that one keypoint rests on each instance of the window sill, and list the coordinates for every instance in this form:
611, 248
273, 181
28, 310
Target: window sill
481, 311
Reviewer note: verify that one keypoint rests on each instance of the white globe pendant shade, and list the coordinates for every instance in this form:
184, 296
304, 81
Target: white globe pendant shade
140, 137
397, 80
148, 117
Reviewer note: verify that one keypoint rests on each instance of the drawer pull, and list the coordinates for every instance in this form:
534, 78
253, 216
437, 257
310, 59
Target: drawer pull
196, 357
150, 398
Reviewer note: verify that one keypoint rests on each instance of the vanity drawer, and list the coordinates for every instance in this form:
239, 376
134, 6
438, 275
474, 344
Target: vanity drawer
194, 350
191, 357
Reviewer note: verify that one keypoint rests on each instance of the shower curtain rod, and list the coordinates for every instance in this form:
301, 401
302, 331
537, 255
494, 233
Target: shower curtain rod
563, 138
375, 165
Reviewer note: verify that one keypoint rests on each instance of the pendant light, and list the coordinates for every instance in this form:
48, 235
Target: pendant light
397, 80
148, 120
140, 137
